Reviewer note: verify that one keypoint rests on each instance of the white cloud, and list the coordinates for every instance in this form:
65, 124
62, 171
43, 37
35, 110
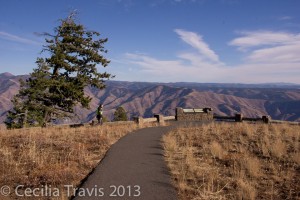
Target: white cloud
196, 41
150, 64
15, 38
261, 38
265, 73
269, 47
158, 70
146, 68
271, 60
279, 54
285, 18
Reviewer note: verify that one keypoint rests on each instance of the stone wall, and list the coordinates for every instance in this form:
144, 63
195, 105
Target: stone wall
203, 114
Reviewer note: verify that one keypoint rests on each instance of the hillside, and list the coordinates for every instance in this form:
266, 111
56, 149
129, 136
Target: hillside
145, 99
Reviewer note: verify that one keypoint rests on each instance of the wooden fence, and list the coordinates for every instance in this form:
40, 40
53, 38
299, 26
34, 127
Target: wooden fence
187, 115
160, 119
265, 119
239, 118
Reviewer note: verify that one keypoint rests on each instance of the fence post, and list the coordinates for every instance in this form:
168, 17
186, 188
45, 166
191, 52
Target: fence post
238, 117
138, 120
266, 119
207, 110
160, 118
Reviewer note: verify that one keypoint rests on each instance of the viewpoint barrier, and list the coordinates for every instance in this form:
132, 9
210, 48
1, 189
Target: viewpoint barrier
206, 114
192, 114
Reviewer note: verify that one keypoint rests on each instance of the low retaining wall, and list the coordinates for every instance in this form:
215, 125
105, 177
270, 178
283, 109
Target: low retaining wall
202, 114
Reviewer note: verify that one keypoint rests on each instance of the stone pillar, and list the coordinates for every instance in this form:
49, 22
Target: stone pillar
178, 113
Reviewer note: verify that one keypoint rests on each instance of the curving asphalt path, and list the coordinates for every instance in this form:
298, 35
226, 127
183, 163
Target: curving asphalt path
133, 168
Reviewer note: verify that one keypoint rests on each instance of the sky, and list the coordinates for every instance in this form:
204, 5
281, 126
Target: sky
206, 41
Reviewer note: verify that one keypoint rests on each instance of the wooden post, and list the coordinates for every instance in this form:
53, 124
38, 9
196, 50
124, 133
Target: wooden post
266, 119
138, 120
160, 118
238, 117
207, 110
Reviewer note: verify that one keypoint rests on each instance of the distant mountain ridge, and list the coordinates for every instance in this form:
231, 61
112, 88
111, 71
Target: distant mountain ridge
281, 101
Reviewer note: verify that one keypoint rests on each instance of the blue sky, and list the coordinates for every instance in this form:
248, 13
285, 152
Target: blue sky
222, 41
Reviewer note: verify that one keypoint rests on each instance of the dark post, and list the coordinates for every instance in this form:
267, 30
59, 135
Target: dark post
138, 120
207, 110
266, 119
238, 117
160, 118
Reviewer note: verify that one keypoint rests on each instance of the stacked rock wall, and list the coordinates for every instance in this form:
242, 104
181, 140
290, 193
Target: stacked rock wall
204, 114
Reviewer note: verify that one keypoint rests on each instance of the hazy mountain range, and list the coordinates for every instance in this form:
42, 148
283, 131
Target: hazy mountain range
280, 100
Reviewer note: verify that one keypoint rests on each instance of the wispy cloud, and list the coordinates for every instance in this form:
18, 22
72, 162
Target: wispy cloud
250, 39
153, 69
283, 18
269, 59
127, 3
279, 54
196, 41
150, 64
202, 64
147, 68
268, 46
15, 38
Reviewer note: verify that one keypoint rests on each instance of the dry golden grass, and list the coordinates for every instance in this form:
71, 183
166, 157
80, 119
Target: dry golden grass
235, 161
55, 157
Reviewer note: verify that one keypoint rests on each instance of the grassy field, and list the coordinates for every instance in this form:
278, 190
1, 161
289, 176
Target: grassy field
235, 161
53, 157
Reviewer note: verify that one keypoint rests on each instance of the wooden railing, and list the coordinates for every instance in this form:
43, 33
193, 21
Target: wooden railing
265, 119
161, 119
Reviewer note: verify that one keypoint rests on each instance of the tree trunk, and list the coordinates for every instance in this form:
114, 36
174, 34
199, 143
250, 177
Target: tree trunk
24, 125
45, 120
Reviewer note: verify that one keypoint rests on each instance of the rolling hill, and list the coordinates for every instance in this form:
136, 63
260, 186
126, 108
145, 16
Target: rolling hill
281, 101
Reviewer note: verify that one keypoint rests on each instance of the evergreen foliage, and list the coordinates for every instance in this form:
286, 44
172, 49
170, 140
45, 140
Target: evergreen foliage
120, 114
58, 82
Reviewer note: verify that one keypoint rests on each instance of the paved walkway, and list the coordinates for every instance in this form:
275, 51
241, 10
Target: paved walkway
133, 168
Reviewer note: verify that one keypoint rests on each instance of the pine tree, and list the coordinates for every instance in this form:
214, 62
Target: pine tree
120, 114
58, 82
